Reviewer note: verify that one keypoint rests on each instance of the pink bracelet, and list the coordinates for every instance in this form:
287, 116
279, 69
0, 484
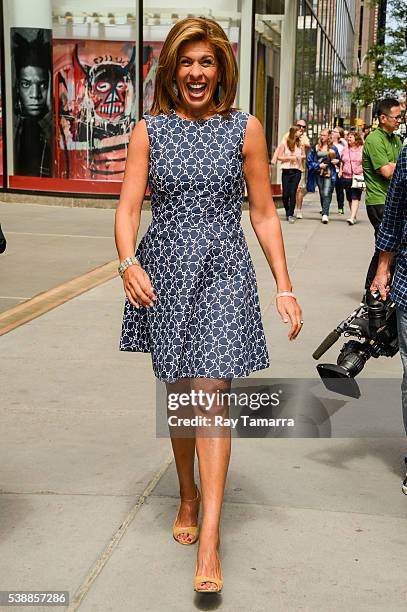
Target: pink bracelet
286, 294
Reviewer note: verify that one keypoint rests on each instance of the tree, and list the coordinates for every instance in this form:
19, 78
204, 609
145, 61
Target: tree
389, 58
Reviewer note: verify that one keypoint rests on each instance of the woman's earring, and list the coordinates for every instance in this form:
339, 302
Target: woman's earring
175, 88
217, 94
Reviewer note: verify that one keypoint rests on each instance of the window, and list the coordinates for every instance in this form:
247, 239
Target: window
158, 18
75, 97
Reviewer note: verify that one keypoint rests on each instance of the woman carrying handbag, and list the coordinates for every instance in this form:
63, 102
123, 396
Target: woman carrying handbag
291, 155
352, 173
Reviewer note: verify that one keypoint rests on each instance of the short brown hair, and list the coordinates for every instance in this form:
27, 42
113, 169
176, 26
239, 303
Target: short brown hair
187, 30
384, 106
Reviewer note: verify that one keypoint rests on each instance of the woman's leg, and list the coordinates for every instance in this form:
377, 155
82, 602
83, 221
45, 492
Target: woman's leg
347, 187
354, 209
294, 181
184, 454
320, 183
327, 189
339, 193
213, 449
299, 196
286, 192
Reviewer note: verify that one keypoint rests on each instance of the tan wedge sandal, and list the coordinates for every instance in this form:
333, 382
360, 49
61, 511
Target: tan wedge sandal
198, 580
192, 530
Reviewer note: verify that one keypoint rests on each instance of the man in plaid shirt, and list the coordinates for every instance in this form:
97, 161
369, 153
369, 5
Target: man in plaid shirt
392, 242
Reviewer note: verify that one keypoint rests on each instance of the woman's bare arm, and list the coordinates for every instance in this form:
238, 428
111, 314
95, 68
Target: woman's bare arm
137, 284
265, 220
132, 192
281, 155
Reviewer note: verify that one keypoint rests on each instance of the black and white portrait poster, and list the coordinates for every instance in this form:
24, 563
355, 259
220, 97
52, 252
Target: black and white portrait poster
31, 50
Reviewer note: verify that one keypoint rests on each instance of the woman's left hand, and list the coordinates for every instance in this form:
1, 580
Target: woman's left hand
334, 161
290, 310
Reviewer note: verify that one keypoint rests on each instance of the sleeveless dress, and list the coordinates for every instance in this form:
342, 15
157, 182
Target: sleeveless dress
206, 320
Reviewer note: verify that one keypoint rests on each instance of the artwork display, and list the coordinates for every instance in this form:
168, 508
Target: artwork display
95, 107
75, 106
151, 52
31, 54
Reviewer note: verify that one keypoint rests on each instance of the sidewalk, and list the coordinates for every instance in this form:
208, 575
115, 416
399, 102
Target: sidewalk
89, 493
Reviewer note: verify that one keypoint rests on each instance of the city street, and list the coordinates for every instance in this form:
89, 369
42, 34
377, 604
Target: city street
89, 493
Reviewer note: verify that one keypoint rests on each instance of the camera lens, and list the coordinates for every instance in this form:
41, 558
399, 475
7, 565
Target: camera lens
353, 357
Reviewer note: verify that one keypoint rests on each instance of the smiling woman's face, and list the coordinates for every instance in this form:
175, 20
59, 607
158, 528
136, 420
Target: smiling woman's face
197, 76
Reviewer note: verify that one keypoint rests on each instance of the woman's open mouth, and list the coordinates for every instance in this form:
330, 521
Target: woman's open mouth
196, 90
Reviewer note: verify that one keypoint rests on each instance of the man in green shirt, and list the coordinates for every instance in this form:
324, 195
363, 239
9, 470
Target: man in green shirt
380, 153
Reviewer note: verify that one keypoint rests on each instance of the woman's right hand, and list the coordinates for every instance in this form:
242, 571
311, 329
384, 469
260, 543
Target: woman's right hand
138, 287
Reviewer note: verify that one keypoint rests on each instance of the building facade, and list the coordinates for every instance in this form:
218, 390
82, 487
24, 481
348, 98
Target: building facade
369, 26
76, 75
324, 58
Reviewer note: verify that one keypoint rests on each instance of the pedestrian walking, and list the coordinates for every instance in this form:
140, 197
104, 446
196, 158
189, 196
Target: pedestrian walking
392, 247
322, 162
305, 143
380, 153
291, 155
350, 171
339, 140
191, 291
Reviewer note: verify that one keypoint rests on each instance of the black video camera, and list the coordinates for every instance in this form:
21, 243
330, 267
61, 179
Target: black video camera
374, 324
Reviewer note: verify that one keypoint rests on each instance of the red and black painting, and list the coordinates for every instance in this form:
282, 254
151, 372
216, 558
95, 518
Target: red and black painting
95, 107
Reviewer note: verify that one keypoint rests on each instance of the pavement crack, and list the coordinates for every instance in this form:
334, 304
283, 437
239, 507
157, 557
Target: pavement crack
104, 557
68, 493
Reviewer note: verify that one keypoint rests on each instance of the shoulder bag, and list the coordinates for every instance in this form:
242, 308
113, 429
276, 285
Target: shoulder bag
358, 180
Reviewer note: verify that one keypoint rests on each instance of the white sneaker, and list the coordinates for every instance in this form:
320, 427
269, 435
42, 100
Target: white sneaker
291, 219
299, 214
325, 219
351, 221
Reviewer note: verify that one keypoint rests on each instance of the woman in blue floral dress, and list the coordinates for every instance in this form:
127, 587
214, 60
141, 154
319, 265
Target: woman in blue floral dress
191, 292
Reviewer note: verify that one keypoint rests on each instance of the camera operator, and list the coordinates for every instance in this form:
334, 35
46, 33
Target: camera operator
390, 243
380, 152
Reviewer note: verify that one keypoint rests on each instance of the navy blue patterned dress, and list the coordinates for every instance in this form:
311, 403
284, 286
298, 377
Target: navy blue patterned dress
206, 320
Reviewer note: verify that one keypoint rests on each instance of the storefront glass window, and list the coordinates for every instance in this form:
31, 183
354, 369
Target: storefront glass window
75, 97
266, 85
320, 63
160, 15
269, 7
